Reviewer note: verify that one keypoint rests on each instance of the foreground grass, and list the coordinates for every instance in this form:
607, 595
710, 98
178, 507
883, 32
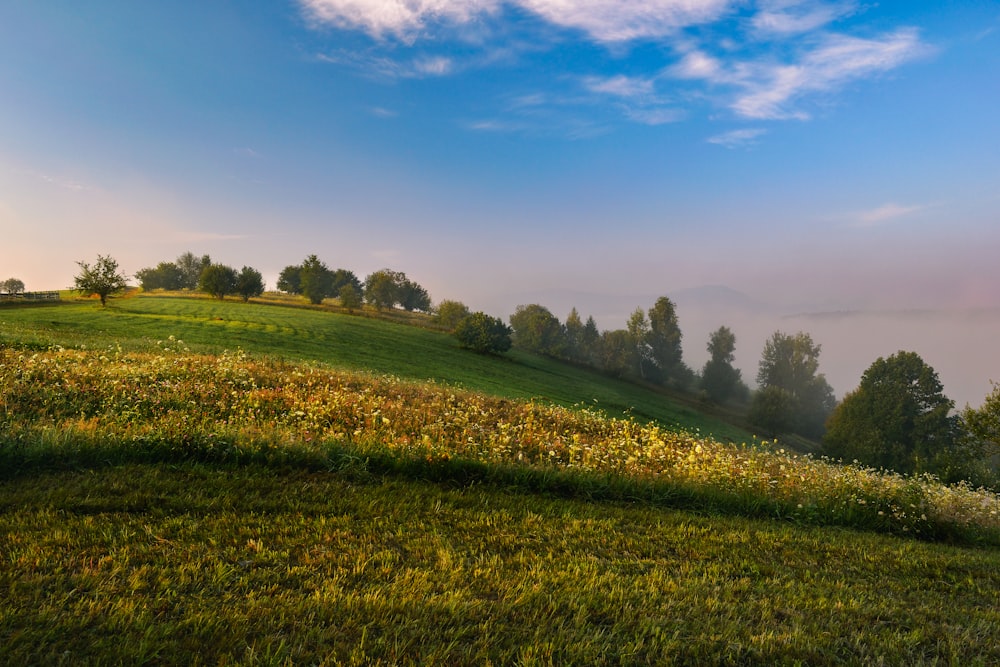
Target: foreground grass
342, 341
191, 564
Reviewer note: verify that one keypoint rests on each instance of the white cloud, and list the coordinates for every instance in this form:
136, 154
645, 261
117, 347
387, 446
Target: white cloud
738, 138
618, 21
405, 19
787, 17
435, 65
782, 52
619, 85
884, 213
603, 20
382, 112
656, 116
768, 90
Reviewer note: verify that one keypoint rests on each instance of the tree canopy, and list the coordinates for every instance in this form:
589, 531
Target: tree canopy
218, 280
719, 379
897, 418
537, 329
249, 283
790, 363
102, 279
12, 286
483, 333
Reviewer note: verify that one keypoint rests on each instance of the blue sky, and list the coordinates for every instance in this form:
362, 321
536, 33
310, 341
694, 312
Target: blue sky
816, 155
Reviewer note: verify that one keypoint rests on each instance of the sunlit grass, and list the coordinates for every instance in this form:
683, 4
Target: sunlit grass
62, 406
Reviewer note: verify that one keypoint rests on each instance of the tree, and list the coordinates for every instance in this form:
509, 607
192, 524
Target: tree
642, 353
791, 363
218, 280
381, 289
537, 329
413, 297
190, 268
616, 354
897, 418
290, 280
249, 283
483, 333
980, 439
573, 336
166, 275
317, 280
102, 279
719, 379
983, 424
665, 341
343, 278
590, 343
450, 313
12, 286
350, 297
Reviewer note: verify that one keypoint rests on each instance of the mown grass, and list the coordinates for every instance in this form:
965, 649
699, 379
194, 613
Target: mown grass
343, 341
203, 565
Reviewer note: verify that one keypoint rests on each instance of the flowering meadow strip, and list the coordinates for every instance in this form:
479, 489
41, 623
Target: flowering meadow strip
226, 404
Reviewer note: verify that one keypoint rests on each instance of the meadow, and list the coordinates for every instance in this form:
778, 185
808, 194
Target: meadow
162, 504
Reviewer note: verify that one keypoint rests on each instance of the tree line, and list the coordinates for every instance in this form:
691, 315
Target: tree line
898, 418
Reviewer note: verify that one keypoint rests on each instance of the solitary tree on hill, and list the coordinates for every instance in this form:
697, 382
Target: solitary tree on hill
102, 279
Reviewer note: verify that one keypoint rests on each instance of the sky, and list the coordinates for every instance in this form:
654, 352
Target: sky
811, 156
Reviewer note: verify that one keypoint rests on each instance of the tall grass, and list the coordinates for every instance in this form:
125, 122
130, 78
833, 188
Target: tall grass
69, 407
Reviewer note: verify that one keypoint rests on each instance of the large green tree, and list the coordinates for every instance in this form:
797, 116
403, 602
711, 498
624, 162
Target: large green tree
290, 279
249, 283
449, 313
166, 275
898, 418
537, 329
190, 267
316, 280
483, 333
102, 279
665, 341
719, 379
218, 280
791, 363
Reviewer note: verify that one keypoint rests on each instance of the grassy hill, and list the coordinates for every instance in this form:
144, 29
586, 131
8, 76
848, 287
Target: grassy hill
379, 345
160, 504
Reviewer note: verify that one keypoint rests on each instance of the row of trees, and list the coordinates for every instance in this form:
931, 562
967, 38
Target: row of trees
648, 348
313, 279
382, 289
898, 418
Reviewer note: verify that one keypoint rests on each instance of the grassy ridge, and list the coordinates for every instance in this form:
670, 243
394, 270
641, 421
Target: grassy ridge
359, 343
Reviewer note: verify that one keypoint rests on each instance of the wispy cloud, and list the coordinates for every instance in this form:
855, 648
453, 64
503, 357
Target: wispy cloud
885, 213
788, 17
246, 152
738, 138
620, 85
382, 112
602, 20
764, 60
769, 88
60, 182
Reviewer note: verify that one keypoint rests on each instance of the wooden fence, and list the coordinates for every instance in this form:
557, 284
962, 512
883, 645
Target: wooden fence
30, 296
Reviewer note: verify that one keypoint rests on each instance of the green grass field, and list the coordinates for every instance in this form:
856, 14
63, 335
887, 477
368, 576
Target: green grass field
343, 341
166, 505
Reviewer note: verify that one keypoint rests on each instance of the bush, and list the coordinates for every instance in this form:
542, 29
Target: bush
484, 334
